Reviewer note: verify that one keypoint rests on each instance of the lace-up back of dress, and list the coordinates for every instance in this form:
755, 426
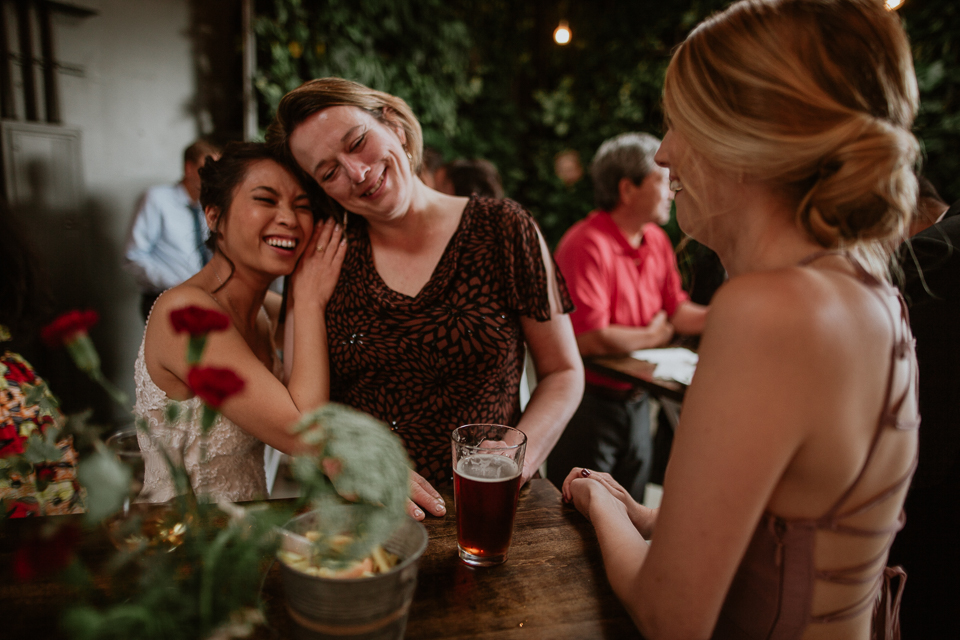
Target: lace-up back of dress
818, 577
869, 513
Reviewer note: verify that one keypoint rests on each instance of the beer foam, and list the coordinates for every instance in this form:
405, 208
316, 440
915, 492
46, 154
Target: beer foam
488, 467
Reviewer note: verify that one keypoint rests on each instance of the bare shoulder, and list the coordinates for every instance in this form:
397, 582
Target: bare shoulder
796, 306
184, 295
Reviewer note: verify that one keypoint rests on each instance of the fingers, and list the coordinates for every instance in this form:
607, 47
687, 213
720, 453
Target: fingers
423, 494
327, 239
581, 473
414, 511
576, 472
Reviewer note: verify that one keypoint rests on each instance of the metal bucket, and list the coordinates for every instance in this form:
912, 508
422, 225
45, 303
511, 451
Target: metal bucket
372, 608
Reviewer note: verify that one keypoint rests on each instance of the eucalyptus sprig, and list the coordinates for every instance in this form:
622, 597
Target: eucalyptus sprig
360, 463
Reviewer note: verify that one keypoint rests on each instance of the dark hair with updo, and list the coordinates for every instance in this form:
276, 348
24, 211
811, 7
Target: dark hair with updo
220, 179
816, 95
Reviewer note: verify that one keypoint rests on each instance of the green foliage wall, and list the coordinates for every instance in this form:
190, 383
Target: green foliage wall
934, 28
486, 79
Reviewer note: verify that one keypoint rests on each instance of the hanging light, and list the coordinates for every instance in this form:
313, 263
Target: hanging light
893, 5
562, 34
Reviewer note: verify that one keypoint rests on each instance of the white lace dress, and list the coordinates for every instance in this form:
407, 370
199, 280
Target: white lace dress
231, 467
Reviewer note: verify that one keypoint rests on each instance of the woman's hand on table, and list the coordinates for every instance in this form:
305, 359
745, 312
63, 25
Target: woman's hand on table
583, 487
422, 494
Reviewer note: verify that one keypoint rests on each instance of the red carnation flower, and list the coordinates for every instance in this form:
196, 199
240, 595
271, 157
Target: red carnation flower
214, 385
45, 473
197, 321
11, 444
67, 327
23, 510
19, 373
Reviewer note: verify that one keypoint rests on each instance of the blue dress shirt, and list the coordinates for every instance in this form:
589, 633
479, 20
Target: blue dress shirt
165, 246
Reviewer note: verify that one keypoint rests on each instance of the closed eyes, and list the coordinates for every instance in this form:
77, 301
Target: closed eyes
354, 146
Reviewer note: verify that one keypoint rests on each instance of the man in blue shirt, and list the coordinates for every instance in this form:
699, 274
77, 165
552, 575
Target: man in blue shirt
166, 243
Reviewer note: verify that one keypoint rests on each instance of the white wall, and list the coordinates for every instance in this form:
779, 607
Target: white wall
132, 104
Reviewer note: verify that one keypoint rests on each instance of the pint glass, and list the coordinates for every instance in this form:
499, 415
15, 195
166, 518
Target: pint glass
487, 462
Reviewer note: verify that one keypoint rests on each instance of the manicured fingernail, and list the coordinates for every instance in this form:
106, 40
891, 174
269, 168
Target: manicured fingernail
440, 508
440, 501
417, 513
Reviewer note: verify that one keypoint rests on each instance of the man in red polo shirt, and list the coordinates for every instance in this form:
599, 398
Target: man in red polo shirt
621, 271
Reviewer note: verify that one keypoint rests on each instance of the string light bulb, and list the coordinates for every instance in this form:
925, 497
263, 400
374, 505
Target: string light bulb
562, 34
893, 5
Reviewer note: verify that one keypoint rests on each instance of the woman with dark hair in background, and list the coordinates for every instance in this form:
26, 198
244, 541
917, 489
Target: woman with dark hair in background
791, 154
464, 177
438, 293
261, 227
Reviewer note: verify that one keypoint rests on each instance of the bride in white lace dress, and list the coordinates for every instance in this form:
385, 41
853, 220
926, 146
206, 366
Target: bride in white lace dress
261, 222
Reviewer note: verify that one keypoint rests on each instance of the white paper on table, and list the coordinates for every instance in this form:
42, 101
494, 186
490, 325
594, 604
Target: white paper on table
675, 363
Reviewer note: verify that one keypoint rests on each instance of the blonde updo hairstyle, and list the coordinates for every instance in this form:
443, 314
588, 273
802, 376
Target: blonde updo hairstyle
314, 96
818, 96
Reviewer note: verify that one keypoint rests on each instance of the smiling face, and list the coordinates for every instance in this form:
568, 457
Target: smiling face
357, 160
268, 222
702, 192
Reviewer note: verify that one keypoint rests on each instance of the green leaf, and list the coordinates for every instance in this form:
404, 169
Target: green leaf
38, 450
172, 412
107, 482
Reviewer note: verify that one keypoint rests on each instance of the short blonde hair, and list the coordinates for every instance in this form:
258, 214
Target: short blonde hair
316, 95
816, 95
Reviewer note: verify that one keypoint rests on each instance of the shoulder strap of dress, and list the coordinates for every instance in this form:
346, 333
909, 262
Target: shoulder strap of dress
891, 408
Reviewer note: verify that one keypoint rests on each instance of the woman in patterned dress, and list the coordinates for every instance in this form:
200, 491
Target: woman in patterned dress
438, 294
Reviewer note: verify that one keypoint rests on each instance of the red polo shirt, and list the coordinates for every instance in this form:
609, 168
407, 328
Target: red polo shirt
613, 283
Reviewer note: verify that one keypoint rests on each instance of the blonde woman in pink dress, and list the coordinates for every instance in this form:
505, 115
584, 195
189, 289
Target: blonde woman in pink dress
791, 154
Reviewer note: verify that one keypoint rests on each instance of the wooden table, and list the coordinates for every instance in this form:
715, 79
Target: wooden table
626, 368
552, 585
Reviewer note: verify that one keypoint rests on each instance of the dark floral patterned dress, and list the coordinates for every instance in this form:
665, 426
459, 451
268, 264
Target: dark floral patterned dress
454, 353
27, 408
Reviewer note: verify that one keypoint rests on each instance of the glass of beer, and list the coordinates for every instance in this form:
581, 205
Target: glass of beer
487, 461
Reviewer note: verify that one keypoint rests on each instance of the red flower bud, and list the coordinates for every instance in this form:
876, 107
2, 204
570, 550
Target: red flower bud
67, 327
11, 444
45, 473
214, 385
198, 321
19, 373
23, 510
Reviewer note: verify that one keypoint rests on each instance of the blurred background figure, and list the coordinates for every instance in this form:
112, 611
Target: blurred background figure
926, 547
166, 242
567, 167
622, 275
465, 177
432, 163
930, 207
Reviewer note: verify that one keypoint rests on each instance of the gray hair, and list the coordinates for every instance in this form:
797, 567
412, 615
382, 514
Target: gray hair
628, 155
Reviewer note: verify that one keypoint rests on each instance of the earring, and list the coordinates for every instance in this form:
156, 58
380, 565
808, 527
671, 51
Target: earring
409, 156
